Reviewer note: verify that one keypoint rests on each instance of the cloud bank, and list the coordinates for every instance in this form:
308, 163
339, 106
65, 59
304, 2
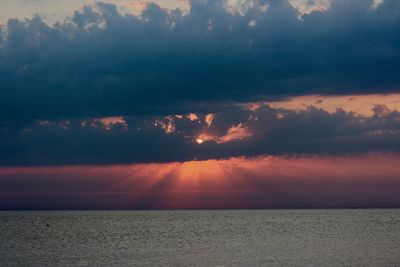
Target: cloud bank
240, 130
103, 63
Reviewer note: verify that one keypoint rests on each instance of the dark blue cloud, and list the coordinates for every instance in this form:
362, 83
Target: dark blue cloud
102, 63
235, 132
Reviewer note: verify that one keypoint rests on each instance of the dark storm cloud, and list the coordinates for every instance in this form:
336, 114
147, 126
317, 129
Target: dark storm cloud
238, 131
101, 63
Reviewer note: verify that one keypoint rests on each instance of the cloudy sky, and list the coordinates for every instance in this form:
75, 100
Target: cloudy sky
199, 104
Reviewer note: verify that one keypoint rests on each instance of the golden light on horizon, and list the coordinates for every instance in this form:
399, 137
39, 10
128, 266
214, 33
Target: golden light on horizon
199, 140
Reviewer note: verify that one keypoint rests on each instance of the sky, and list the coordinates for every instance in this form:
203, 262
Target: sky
178, 104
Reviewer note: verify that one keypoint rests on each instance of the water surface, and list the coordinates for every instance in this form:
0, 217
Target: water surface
201, 238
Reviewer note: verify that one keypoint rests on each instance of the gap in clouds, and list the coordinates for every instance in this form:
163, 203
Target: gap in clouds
55, 11
360, 104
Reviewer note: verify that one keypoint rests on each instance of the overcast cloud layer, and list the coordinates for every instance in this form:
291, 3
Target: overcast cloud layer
101, 63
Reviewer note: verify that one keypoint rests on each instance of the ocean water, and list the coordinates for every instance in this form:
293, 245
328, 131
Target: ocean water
201, 238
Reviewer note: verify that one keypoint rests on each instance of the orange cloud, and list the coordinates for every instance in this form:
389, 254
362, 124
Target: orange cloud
209, 119
235, 132
192, 117
360, 104
111, 121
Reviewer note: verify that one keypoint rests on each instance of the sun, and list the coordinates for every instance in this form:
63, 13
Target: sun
199, 140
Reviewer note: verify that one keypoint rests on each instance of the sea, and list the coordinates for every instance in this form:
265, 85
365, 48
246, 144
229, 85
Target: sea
348, 237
